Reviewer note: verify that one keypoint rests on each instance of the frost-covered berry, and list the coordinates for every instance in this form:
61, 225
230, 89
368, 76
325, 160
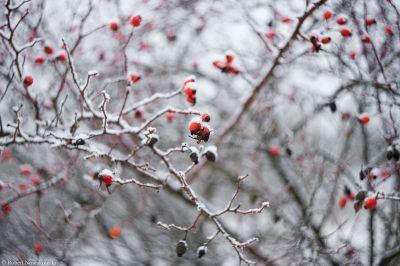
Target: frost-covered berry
106, 176
328, 14
341, 20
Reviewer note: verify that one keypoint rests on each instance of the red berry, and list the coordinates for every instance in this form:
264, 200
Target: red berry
351, 196
274, 151
21, 187
364, 119
6, 208
388, 30
6, 155
229, 58
61, 57
135, 78
191, 99
326, 40
171, 36
34, 180
48, 50
38, 248
28, 80
328, 14
286, 19
366, 39
370, 21
341, 20
270, 35
114, 232
170, 116
107, 179
370, 203
39, 60
139, 114
353, 55
343, 201
345, 32
189, 92
136, 21
114, 26
205, 117
194, 127
25, 170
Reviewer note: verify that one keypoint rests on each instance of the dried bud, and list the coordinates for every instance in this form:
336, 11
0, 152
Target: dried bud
361, 195
289, 151
201, 251
78, 142
389, 153
181, 248
347, 191
211, 153
194, 156
333, 107
396, 154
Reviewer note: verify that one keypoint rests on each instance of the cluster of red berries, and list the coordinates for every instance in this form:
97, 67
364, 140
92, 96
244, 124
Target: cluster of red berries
199, 129
346, 32
362, 199
348, 195
27, 171
190, 90
226, 66
135, 21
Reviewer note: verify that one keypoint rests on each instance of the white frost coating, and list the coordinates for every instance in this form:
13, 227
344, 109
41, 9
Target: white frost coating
93, 72
105, 172
230, 52
190, 78
212, 149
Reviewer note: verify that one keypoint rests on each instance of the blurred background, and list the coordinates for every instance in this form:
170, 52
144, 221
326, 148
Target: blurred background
309, 100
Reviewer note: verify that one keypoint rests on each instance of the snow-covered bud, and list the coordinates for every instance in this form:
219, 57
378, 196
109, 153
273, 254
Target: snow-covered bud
181, 248
211, 153
201, 251
194, 155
